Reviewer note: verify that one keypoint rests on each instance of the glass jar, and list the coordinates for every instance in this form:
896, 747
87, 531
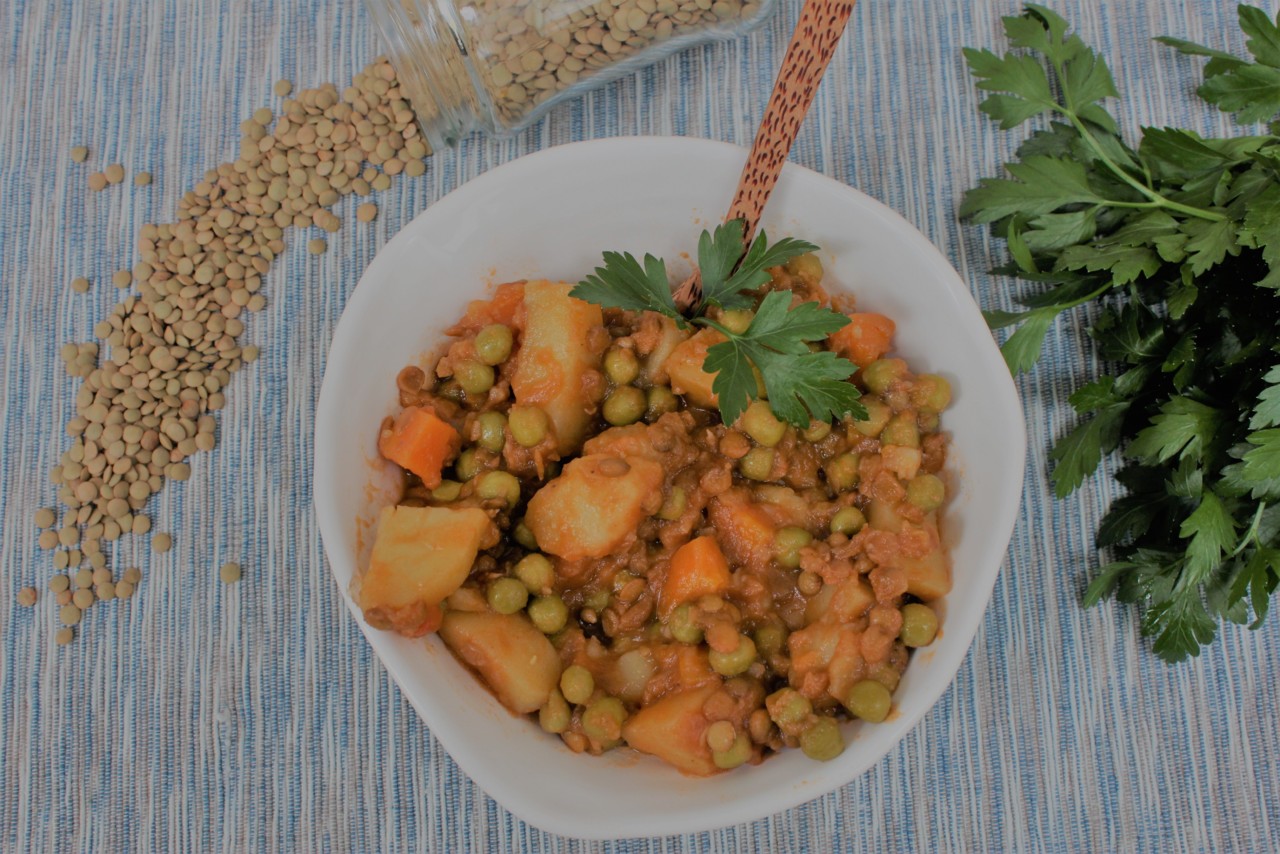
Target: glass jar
499, 65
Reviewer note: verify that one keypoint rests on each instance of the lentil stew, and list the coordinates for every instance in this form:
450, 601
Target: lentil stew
587, 535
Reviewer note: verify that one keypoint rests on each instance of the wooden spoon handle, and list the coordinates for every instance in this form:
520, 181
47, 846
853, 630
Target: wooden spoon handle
821, 24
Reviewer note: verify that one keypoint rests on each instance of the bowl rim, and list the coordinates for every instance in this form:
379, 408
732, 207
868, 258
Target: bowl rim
469, 757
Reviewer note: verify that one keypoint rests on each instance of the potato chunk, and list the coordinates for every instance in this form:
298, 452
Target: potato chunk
594, 505
674, 729
929, 577
510, 654
556, 356
684, 367
420, 556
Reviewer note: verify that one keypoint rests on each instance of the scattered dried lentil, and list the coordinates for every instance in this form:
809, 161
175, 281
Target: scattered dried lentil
367, 212
79, 153
82, 598
80, 285
230, 573
317, 246
69, 615
143, 407
64, 636
59, 583
27, 597
142, 179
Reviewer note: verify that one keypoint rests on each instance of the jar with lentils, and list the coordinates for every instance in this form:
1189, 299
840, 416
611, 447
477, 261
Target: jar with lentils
499, 65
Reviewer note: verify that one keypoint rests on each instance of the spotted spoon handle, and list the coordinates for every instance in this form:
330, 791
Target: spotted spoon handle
821, 24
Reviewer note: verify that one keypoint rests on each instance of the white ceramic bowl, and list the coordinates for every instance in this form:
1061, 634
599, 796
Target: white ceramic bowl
551, 215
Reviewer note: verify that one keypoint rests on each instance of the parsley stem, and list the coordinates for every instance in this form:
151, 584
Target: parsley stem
1157, 200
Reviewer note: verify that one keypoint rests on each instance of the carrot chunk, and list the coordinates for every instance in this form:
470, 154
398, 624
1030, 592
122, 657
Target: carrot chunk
867, 337
420, 442
698, 568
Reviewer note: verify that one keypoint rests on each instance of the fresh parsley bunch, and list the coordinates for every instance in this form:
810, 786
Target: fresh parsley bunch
1178, 244
801, 384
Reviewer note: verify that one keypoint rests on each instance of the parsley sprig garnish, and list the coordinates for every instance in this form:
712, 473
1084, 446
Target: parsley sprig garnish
802, 385
1177, 245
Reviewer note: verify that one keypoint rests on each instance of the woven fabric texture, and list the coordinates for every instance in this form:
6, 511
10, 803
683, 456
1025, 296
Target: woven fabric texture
199, 716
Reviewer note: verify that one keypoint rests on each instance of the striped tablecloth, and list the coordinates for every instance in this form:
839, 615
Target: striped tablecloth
202, 716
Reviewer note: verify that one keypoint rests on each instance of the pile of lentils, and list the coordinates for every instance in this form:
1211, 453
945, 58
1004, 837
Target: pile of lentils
528, 52
146, 407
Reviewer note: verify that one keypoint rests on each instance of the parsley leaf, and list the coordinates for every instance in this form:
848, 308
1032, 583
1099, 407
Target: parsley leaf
1176, 242
801, 385
623, 283
774, 348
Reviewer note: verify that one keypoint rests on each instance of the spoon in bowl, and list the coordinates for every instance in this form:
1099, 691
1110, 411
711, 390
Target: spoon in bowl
821, 24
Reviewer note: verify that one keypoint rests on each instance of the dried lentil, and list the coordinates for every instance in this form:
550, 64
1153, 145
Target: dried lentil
230, 573
79, 154
64, 636
142, 408
27, 597
317, 246
80, 285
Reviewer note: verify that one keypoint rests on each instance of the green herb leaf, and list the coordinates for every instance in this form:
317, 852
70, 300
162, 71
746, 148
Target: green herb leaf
623, 283
1183, 428
1267, 411
801, 385
1040, 185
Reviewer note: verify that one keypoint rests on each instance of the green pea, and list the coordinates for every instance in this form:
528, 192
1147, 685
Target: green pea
577, 684
555, 715
682, 626
737, 320
602, 721
549, 614
660, 400
537, 573
919, 625
926, 491
842, 472
493, 344
528, 425
788, 707
474, 377
932, 392
869, 700
757, 464
624, 405
467, 465
500, 485
493, 431
736, 755
448, 490
621, 365
822, 740
597, 599
878, 415
524, 536
761, 424
848, 520
507, 595
881, 373
901, 430
787, 544
771, 639
734, 663
806, 267
817, 431
673, 505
